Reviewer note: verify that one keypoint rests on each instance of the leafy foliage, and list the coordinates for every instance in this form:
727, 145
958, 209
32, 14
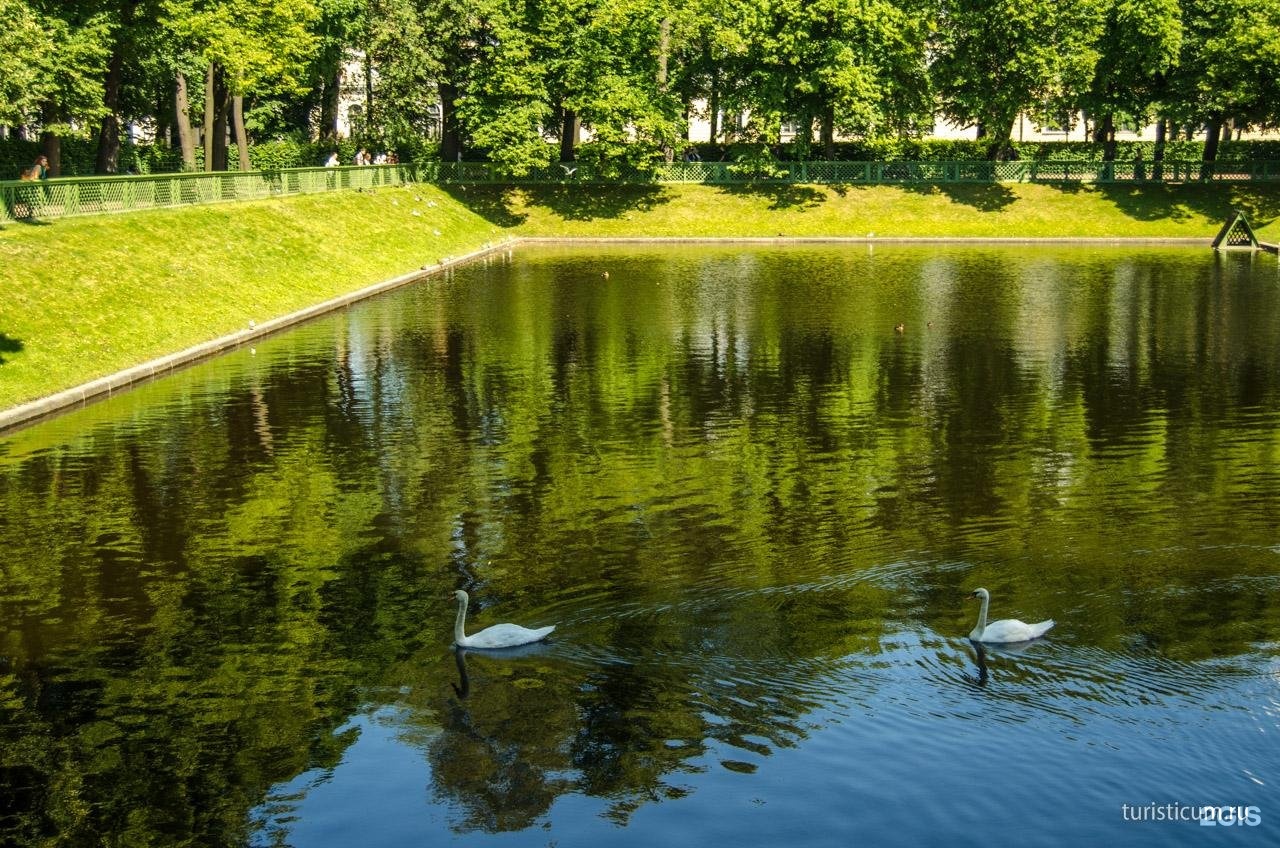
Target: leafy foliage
72, 86
616, 82
262, 46
24, 44
998, 59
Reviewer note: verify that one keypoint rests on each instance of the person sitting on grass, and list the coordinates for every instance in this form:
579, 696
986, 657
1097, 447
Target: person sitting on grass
39, 169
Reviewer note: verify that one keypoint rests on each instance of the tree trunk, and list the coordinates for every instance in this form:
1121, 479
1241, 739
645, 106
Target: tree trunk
368, 93
109, 134
715, 105
1157, 166
1212, 137
1108, 130
569, 135
1100, 130
998, 147
242, 137
450, 133
802, 140
210, 116
829, 132
182, 117
164, 118
329, 106
50, 144
664, 51
222, 106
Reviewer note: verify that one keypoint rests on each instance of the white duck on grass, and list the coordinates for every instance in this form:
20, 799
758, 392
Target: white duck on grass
497, 636
1006, 629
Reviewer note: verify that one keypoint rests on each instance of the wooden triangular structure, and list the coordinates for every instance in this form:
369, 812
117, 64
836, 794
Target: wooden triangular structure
1235, 233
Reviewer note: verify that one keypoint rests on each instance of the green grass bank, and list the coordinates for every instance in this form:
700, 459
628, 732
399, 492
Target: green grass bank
83, 298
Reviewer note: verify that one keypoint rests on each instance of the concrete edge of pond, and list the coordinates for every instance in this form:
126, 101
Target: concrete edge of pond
1097, 241
104, 387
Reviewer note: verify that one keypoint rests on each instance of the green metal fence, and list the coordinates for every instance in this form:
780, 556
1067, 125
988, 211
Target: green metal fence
871, 173
64, 198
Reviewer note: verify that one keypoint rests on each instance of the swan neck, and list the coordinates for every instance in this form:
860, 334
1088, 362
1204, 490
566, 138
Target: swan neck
459, 636
982, 614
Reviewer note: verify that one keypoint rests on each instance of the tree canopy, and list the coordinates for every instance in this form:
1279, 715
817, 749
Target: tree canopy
520, 83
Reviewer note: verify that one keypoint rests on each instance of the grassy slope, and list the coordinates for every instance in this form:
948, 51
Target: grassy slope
961, 210
84, 298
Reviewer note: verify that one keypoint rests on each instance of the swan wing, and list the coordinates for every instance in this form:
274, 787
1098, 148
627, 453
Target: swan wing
1040, 628
506, 636
1013, 630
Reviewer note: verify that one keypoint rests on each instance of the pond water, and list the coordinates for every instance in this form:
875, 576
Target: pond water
752, 507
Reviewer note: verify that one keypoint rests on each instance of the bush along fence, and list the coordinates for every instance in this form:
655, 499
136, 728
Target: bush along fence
63, 198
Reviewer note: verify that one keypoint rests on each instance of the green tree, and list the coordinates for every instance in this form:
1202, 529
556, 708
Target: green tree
1138, 45
1242, 67
544, 69
505, 105
24, 44
72, 95
619, 84
993, 60
852, 66
425, 51
248, 47
1227, 68
133, 76
403, 48
340, 26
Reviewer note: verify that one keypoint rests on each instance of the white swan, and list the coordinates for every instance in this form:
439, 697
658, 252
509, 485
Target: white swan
497, 636
1006, 629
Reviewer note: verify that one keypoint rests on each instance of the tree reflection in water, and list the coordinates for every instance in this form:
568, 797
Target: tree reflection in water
749, 501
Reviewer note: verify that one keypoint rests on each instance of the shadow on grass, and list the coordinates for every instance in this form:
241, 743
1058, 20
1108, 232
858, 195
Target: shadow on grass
591, 202
8, 345
491, 202
572, 202
27, 222
780, 195
984, 197
1181, 201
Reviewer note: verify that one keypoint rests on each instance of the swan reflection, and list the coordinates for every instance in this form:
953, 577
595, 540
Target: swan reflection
980, 658
1007, 649
463, 687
